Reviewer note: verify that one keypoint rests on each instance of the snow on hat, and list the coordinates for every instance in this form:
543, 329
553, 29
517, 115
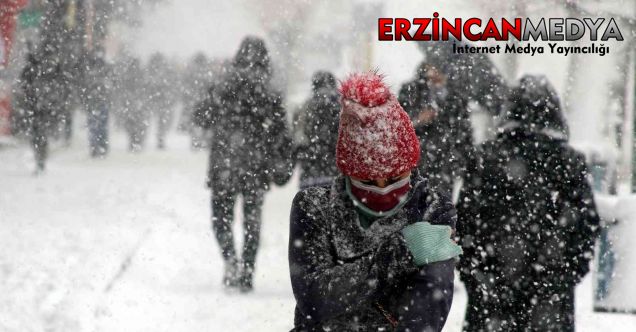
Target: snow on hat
376, 139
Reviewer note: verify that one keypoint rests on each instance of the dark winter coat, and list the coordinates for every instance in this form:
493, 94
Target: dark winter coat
343, 274
527, 221
134, 114
96, 92
316, 146
196, 80
30, 74
251, 144
38, 85
160, 86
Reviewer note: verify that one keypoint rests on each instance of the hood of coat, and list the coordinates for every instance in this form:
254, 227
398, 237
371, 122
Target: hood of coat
350, 239
323, 80
252, 61
534, 106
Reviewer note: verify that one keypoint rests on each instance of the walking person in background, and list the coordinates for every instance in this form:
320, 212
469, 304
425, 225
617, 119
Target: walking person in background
36, 83
161, 95
527, 219
96, 102
372, 251
317, 132
134, 114
69, 97
425, 100
471, 82
250, 148
195, 82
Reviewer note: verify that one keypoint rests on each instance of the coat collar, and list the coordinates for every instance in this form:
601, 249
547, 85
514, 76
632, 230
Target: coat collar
349, 239
552, 133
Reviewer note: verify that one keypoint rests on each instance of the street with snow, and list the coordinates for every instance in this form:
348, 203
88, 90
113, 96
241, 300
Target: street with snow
125, 244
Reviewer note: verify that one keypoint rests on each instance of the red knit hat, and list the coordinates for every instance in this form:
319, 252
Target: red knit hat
376, 139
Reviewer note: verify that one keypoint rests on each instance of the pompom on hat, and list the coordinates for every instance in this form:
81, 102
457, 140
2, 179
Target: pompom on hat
376, 139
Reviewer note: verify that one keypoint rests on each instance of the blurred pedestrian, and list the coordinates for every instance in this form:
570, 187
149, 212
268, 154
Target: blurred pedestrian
134, 114
161, 95
96, 103
472, 82
250, 148
196, 80
425, 99
318, 132
372, 251
37, 83
69, 100
527, 219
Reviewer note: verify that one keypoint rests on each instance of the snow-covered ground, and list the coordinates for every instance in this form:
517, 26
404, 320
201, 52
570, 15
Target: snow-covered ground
124, 244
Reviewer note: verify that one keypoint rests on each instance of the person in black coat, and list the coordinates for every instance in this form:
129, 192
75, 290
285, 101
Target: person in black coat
425, 100
135, 116
527, 219
37, 82
318, 128
250, 148
96, 97
161, 94
468, 79
372, 251
196, 79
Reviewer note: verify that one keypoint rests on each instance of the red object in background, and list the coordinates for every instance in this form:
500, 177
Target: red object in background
8, 11
5, 115
8, 17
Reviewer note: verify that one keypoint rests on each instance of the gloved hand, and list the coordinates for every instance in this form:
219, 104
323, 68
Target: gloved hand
430, 243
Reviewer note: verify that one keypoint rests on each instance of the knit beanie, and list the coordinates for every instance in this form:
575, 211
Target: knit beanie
376, 139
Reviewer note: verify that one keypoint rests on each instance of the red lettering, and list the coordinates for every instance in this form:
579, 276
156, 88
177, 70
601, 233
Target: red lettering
436, 27
456, 30
384, 28
491, 31
469, 35
422, 23
402, 27
514, 30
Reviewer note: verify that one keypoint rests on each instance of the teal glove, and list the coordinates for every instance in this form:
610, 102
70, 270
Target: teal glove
430, 243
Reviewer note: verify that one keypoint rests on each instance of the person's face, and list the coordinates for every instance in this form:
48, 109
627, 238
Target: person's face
436, 77
381, 183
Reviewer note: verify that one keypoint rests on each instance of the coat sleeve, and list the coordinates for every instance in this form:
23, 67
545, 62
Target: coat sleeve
580, 212
279, 139
325, 287
299, 136
204, 112
428, 297
469, 217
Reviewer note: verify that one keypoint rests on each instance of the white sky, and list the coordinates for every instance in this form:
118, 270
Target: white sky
180, 30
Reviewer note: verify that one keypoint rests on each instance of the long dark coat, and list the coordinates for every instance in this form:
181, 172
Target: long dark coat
527, 221
40, 100
251, 144
318, 128
343, 274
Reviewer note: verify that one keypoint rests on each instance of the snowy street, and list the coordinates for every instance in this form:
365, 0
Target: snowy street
124, 244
